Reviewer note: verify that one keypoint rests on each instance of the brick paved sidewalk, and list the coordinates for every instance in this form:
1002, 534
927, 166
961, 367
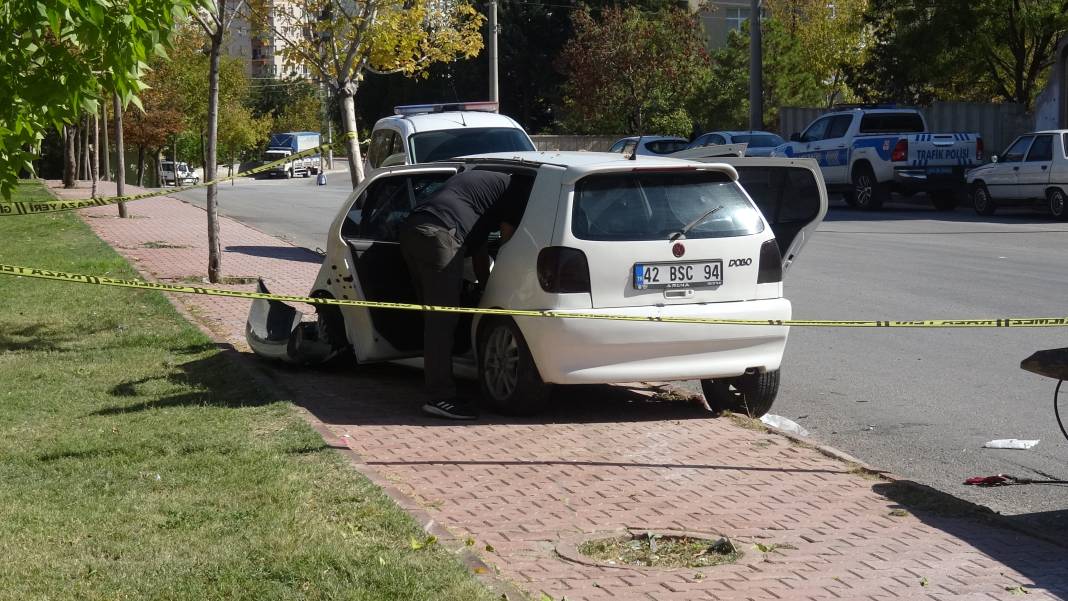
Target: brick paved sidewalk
606, 458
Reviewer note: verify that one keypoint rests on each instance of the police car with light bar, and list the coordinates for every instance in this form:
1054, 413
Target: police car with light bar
425, 133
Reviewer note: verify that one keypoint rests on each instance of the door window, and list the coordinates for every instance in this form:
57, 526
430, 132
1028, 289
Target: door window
1015, 153
1041, 150
817, 131
379, 211
838, 126
379, 148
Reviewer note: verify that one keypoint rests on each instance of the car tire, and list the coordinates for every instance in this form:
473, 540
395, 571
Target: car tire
1058, 204
289, 174
944, 200
981, 201
750, 394
507, 373
868, 194
306, 174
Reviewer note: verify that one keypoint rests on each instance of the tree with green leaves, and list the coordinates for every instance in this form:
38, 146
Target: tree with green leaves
63, 57
632, 72
974, 50
339, 42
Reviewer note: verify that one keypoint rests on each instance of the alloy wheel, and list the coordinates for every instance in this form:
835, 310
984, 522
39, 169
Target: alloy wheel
863, 190
501, 372
1056, 204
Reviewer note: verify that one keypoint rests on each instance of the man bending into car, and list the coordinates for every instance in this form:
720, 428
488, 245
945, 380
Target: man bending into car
454, 222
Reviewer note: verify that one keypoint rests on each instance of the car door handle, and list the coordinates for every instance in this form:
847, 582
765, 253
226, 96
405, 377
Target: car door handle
1015, 168
1043, 167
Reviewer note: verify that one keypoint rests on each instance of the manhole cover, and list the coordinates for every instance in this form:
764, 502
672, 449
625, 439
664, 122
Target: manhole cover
655, 549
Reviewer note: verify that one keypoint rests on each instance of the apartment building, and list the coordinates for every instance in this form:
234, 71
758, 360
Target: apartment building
260, 46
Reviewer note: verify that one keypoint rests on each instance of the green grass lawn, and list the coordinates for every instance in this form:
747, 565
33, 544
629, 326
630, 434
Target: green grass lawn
136, 464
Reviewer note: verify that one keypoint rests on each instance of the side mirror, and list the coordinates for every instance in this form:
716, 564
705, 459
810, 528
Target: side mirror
994, 158
795, 137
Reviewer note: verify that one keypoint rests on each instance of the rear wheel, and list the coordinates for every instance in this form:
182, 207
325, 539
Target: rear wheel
751, 394
944, 200
289, 174
507, 373
981, 201
868, 194
1057, 206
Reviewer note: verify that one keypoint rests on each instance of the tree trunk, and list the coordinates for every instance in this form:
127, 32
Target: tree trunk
159, 166
94, 163
120, 157
210, 166
141, 165
352, 138
85, 149
79, 166
70, 156
106, 174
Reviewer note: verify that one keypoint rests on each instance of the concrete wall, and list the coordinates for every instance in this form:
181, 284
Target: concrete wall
997, 123
587, 143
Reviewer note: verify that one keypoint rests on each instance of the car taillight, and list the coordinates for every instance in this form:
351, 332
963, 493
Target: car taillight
562, 269
770, 263
978, 150
901, 150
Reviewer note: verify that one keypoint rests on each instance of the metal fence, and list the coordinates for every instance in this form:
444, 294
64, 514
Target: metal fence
587, 143
997, 123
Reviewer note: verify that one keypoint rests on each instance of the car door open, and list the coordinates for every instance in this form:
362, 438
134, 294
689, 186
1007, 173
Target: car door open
789, 192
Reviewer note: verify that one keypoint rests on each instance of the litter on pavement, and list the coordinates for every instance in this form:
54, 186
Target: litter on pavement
781, 423
1010, 443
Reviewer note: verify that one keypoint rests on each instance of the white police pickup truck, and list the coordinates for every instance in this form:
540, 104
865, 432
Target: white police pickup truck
866, 153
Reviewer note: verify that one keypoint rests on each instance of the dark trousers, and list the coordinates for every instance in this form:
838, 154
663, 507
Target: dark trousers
435, 259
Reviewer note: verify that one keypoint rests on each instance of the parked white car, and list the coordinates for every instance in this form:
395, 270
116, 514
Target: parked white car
758, 143
1033, 170
186, 175
424, 133
601, 234
650, 146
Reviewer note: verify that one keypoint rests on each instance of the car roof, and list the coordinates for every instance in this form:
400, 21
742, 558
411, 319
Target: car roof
446, 120
744, 132
580, 163
1047, 131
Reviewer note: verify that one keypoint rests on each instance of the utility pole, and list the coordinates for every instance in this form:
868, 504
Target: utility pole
756, 62
493, 51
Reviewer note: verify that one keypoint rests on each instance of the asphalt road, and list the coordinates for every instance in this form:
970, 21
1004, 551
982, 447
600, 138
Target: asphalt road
920, 403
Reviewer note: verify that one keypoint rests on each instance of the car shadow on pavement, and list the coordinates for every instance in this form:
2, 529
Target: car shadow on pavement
284, 253
1008, 539
390, 394
919, 207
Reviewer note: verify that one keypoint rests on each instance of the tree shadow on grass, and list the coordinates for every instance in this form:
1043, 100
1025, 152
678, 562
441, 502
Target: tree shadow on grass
1005, 538
212, 380
39, 337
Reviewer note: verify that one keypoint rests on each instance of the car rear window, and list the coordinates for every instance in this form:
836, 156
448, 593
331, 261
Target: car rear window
891, 123
759, 140
445, 144
656, 205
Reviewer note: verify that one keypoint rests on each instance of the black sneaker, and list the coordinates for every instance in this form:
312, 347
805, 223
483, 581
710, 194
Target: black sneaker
451, 409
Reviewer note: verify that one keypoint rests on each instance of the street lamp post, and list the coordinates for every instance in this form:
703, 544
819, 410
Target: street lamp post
493, 51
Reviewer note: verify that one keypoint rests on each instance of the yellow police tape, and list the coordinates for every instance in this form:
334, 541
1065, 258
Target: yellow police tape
9, 208
1013, 322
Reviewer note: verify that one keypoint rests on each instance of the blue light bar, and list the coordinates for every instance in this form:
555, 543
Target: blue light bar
421, 109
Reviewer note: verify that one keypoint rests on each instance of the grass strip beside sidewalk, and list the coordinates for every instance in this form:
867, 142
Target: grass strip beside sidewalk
135, 463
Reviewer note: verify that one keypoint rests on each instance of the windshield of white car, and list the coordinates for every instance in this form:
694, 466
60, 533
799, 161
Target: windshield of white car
655, 206
445, 144
758, 140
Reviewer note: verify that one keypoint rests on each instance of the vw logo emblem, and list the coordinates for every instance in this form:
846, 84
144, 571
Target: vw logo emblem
678, 249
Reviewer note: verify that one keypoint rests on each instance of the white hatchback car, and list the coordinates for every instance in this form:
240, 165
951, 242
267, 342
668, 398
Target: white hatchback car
1033, 170
600, 234
424, 133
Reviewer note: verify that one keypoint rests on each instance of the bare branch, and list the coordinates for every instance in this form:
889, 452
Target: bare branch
203, 24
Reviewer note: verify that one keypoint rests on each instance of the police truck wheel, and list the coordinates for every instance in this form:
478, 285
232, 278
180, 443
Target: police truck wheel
868, 194
507, 374
981, 201
1057, 202
750, 394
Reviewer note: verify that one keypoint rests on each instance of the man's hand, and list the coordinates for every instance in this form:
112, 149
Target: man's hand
507, 231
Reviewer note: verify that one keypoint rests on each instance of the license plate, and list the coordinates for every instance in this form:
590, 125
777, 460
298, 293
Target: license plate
691, 274
939, 170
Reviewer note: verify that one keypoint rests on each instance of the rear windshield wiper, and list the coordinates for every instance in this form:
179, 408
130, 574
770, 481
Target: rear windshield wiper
689, 226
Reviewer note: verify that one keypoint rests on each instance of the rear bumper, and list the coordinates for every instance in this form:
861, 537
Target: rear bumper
930, 177
592, 351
